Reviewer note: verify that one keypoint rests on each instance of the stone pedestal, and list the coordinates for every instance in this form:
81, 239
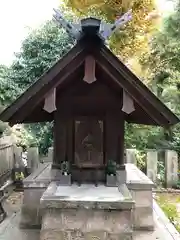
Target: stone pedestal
56, 175
86, 212
140, 187
32, 159
171, 167
152, 159
131, 156
111, 180
34, 186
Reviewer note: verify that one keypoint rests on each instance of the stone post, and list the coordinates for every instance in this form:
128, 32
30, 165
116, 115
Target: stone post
18, 157
32, 159
50, 154
171, 168
152, 160
131, 156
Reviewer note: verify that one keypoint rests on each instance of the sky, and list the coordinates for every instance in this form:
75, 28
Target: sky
16, 16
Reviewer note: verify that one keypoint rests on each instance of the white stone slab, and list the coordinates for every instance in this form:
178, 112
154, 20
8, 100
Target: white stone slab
88, 192
137, 178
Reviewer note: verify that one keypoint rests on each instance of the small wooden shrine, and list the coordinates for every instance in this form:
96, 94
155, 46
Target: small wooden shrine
89, 94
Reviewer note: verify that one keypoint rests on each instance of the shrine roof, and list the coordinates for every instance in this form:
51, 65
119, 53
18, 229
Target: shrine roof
29, 106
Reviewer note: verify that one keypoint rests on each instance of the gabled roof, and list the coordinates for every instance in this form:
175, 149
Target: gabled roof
67, 68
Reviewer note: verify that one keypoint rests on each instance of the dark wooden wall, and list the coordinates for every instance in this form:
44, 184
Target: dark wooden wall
98, 101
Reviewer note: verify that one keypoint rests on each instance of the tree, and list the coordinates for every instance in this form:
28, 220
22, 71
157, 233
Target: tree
134, 37
39, 51
163, 68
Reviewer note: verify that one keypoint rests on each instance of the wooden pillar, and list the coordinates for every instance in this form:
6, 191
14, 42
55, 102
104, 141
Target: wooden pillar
114, 131
60, 135
120, 146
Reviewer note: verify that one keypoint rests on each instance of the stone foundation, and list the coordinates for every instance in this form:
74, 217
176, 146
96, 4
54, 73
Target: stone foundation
34, 187
86, 224
139, 185
30, 210
86, 212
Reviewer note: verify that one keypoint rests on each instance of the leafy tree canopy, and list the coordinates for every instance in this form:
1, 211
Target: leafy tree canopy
39, 51
162, 68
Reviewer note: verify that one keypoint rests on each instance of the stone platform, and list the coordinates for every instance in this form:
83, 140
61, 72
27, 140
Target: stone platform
163, 229
86, 212
138, 184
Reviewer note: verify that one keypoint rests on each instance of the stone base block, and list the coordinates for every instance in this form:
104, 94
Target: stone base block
34, 186
140, 187
111, 181
143, 218
64, 180
30, 211
76, 235
86, 213
86, 224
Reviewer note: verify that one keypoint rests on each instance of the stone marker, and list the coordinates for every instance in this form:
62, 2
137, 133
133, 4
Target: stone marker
152, 158
171, 168
131, 156
32, 159
50, 154
18, 157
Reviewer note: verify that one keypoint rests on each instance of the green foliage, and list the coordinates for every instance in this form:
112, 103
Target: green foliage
162, 68
176, 184
39, 51
170, 210
161, 173
19, 176
111, 168
42, 133
141, 160
131, 39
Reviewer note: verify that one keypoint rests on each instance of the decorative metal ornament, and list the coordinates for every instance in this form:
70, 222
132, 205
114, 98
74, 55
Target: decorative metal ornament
106, 30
